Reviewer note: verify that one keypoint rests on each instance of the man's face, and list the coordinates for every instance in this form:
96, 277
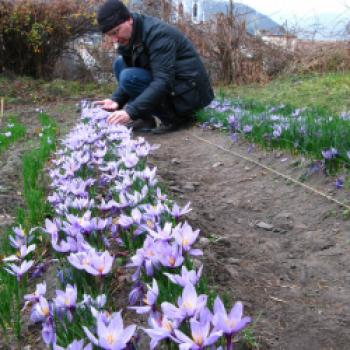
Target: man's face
121, 34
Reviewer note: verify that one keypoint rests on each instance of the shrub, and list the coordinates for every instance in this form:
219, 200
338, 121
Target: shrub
33, 33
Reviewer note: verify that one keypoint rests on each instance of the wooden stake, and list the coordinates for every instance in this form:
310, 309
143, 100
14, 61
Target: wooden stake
2, 102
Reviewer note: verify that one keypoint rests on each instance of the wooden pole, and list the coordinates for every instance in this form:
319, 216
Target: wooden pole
2, 103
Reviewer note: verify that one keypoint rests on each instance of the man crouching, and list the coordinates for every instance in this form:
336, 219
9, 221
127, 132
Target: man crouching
158, 70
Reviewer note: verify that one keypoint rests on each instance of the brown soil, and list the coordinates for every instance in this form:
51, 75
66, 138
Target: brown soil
282, 250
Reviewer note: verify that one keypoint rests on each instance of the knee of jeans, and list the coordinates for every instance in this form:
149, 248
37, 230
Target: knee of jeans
118, 66
126, 79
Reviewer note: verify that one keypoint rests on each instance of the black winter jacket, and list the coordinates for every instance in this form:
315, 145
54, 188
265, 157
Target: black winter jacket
180, 81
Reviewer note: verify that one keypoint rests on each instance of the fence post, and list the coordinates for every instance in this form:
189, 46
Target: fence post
2, 103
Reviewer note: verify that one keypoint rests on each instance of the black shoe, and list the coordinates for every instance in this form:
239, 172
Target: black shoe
164, 128
142, 125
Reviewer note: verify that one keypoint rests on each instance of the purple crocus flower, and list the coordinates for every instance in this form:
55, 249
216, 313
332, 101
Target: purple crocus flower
176, 211
161, 328
339, 183
75, 345
22, 253
53, 226
66, 300
20, 270
186, 276
149, 300
234, 137
230, 324
201, 336
48, 332
233, 122
111, 336
329, 153
130, 160
136, 293
186, 237
277, 131
247, 129
41, 310
95, 263
189, 304
40, 290
146, 257
170, 255
163, 234
79, 224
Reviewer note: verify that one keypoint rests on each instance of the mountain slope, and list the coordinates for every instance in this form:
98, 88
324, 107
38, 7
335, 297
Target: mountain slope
254, 20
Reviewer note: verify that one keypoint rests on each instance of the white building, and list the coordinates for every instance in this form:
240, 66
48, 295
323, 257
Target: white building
193, 8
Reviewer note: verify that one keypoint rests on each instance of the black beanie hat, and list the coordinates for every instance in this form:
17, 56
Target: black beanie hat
111, 14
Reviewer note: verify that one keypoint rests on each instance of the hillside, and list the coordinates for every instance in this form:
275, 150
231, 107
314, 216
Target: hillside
254, 20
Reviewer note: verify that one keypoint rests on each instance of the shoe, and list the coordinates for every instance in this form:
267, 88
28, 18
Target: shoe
142, 125
164, 128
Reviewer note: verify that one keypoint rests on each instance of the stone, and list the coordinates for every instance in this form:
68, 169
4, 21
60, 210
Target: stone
188, 186
175, 161
204, 241
217, 164
176, 189
264, 225
233, 261
284, 221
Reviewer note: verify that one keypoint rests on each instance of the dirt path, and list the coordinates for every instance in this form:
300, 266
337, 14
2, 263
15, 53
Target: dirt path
280, 249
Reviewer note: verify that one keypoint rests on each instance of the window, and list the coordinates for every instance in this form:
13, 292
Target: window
195, 10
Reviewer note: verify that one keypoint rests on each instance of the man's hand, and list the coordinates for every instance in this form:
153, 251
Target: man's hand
119, 117
107, 105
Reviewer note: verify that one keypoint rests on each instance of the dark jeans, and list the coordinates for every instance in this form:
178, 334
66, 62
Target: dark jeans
133, 81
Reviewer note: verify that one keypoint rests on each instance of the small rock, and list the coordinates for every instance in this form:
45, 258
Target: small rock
204, 241
188, 186
176, 189
217, 164
233, 261
300, 226
175, 161
264, 225
211, 217
247, 168
231, 271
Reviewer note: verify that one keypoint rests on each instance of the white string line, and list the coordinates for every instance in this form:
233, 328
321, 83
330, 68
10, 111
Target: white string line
248, 159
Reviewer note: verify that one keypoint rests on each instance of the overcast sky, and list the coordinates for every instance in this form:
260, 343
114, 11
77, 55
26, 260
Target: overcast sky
280, 10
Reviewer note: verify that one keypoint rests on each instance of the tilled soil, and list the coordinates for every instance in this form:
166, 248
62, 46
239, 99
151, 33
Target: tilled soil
281, 249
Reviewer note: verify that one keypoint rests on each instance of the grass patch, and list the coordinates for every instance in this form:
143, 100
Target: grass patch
305, 115
32, 214
328, 92
25, 90
10, 133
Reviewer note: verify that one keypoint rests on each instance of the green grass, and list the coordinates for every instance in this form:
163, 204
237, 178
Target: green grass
329, 92
312, 113
25, 90
10, 133
32, 214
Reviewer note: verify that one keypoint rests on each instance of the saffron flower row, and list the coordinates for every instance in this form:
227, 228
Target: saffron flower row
111, 216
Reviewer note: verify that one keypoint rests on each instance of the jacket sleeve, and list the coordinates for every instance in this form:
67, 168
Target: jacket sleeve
162, 53
120, 97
